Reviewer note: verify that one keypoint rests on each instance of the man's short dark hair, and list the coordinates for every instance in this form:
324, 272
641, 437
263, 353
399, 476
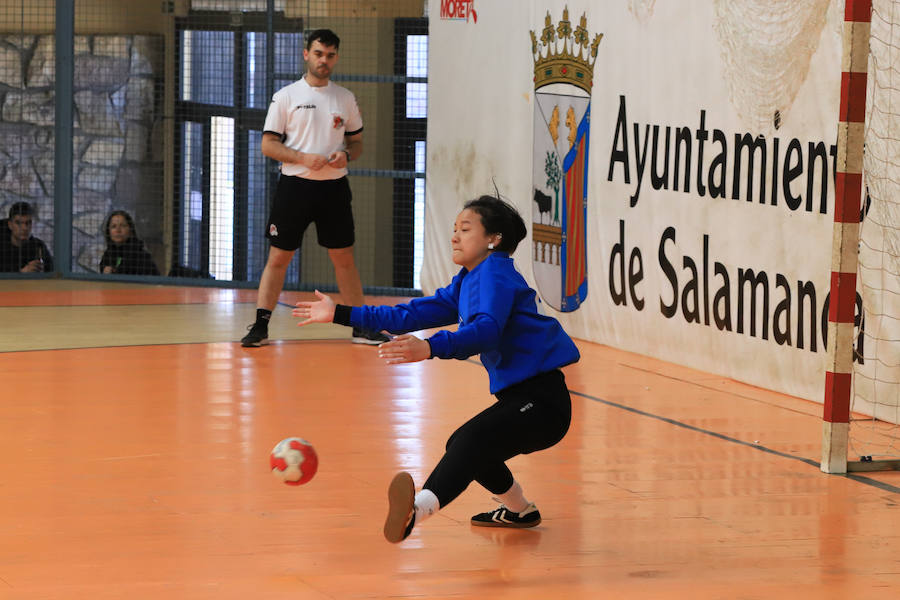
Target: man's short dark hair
21, 208
326, 37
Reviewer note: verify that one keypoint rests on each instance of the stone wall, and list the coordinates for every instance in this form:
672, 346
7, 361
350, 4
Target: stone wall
117, 145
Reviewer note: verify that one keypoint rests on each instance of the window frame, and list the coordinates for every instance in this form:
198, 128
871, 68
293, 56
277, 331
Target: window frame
245, 118
407, 131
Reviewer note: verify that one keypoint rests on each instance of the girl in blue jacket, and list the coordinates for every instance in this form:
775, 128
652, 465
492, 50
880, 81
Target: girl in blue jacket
521, 349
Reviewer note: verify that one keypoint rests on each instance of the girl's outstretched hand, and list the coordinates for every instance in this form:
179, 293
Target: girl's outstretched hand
320, 311
404, 349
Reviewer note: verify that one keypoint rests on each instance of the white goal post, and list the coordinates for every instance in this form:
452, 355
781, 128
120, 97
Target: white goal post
861, 420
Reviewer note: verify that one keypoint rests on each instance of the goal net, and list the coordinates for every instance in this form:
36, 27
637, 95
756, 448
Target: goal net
875, 401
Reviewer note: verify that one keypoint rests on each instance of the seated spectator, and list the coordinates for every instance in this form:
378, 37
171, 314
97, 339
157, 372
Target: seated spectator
19, 250
125, 253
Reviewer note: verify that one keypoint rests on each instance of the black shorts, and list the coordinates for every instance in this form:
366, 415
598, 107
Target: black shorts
299, 202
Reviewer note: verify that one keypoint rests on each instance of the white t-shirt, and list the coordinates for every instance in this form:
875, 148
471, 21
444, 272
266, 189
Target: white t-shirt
313, 120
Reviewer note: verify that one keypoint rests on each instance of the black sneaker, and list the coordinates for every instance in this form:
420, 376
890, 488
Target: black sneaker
401, 515
257, 336
503, 517
372, 338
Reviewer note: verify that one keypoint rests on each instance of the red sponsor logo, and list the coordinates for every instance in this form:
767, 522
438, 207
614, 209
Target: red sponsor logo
459, 10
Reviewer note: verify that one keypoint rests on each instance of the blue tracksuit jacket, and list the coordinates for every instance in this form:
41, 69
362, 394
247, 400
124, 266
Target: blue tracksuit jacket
497, 317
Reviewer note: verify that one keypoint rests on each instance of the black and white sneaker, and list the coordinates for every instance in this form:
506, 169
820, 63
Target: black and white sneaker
372, 338
503, 517
401, 515
257, 336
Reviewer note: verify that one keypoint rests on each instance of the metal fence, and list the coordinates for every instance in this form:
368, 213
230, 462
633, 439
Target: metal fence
147, 117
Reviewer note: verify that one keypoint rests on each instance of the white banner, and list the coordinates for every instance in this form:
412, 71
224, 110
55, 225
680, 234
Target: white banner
675, 160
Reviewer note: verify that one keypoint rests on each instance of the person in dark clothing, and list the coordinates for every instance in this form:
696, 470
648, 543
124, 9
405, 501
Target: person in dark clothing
521, 349
125, 253
19, 250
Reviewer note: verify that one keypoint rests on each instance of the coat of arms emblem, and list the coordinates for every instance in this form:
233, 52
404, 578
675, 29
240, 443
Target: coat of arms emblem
563, 79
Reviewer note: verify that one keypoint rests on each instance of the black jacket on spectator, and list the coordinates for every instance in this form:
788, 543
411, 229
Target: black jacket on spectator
129, 258
13, 258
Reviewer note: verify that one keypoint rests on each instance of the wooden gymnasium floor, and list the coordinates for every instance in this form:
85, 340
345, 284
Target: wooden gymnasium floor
134, 440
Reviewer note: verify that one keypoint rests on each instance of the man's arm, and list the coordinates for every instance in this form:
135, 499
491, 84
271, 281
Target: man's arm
46, 257
353, 149
272, 147
354, 145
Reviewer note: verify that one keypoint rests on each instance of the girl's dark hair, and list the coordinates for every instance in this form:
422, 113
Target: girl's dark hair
498, 216
128, 220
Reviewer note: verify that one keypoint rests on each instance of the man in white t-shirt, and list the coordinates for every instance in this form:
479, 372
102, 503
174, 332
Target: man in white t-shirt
314, 128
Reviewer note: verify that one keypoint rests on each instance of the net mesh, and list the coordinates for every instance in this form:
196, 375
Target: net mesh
26, 131
168, 104
766, 49
875, 424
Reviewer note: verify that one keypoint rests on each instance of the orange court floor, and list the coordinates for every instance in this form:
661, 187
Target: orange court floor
135, 436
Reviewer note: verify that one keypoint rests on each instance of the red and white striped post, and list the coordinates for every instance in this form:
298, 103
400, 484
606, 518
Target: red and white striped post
845, 239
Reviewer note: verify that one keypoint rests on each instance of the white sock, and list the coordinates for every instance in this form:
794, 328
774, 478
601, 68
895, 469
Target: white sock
426, 504
514, 499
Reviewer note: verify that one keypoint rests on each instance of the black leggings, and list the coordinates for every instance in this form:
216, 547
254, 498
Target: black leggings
528, 416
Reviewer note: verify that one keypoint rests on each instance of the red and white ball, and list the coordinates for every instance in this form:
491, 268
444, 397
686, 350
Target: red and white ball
294, 461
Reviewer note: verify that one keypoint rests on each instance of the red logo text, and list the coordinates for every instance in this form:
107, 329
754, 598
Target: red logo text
459, 10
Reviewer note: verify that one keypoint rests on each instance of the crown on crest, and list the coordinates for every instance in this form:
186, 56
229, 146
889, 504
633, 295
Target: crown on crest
562, 56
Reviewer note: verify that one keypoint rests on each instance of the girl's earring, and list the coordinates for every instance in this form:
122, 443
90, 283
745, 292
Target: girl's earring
490, 245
